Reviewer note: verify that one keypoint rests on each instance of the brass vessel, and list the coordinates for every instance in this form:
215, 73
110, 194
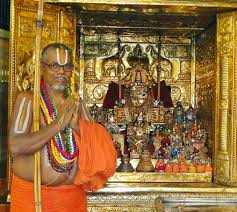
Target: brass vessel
145, 164
125, 165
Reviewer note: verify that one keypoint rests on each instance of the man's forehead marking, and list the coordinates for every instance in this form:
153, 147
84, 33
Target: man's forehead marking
62, 60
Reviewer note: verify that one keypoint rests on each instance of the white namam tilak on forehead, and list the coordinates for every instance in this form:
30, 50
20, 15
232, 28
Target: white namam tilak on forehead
62, 60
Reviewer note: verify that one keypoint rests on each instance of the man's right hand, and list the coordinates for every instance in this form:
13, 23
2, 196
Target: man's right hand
66, 112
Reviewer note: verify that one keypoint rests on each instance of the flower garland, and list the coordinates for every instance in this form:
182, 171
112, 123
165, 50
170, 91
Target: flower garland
61, 153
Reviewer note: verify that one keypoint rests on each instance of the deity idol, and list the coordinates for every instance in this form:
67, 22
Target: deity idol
179, 113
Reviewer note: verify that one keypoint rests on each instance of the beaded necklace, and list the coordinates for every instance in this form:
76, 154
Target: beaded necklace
61, 153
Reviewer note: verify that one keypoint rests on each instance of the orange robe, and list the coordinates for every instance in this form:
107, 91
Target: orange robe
97, 162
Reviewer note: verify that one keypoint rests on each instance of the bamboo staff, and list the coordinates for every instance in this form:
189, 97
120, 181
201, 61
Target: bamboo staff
37, 173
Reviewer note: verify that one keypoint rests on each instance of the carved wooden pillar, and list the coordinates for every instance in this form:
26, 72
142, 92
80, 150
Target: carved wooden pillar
226, 99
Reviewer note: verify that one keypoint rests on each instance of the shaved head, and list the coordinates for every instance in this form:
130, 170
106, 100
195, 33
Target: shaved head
63, 53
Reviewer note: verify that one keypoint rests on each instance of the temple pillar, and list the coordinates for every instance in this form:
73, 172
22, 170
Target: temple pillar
226, 99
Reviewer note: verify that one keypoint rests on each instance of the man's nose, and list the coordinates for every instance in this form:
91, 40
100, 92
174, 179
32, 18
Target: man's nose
60, 70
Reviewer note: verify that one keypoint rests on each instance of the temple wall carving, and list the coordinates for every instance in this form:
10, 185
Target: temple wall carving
226, 170
59, 25
162, 202
205, 69
101, 64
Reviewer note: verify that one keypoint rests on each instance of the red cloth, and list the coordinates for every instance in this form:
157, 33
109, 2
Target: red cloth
112, 94
97, 162
165, 94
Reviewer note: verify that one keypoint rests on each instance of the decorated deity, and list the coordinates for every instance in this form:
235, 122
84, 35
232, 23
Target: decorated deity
160, 165
168, 118
174, 151
179, 113
161, 113
111, 124
163, 150
190, 116
139, 95
138, 136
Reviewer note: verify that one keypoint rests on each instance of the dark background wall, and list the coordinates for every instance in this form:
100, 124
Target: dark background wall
4, 24
4, 14
3, 129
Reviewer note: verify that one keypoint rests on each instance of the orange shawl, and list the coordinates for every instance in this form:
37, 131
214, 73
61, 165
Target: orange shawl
97, 156
97, 162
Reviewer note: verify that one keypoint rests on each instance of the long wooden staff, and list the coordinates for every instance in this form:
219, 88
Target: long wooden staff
37, 173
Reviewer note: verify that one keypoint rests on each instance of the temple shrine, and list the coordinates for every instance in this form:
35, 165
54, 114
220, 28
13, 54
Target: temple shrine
161, 77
